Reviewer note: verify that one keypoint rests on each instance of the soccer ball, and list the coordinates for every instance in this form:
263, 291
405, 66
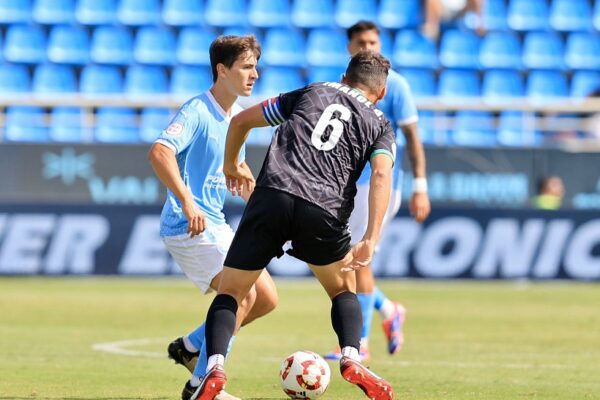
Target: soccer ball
304, 375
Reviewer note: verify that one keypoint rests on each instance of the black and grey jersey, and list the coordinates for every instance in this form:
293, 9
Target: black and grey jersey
327, 132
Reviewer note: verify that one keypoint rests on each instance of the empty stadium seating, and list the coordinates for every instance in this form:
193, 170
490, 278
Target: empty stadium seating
537, 49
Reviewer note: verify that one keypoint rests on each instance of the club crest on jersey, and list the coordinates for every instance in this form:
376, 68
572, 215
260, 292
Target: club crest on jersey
175, 129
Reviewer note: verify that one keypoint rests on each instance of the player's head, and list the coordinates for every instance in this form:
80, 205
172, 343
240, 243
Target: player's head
364, 35
368, 71
233, 61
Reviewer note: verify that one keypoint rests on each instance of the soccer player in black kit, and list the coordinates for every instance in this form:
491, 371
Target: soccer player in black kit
305, 193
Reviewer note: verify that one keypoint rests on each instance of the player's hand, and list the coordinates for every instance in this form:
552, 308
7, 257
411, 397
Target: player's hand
420, 206
195, 217
237, 178
360, 256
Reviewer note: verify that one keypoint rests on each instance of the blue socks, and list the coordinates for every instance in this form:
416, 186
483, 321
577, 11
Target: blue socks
200, 369
366, 301
196, 337
379, 298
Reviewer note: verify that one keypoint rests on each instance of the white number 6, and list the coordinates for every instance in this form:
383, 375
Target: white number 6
336, 127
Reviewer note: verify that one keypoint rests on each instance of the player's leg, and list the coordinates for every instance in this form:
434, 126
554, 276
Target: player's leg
256, 242
347, 323
358, 224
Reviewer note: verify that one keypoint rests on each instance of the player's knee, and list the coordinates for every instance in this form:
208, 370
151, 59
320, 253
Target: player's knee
269, 301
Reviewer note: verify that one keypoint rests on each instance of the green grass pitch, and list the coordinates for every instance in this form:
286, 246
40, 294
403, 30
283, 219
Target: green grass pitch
464, 340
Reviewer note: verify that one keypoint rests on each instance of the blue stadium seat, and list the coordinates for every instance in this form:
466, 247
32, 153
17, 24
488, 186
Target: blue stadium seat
243, 31
190, 81
111, 45
275, 80
25, 44
269, 13
459, 49
411, 49
283, 47
528, 15
68, 45
152, 122
141, 80
516, 128
387, 43
494, 15
543, 51
596, 16
26, 124
421, 82
571, 15
100, 79
349, 12
546, 84
325, 74
427, 129
14, 78
584, 83
139, 12
499, 84
53, 12
458, 83
583, 51
96, 12
398, 14
193, 46
15, 11
68, 125
1, 58
225, 13
474, 128
154, 46
327, 48
116, 125
183, 12
312, 13
52, 78
500, 50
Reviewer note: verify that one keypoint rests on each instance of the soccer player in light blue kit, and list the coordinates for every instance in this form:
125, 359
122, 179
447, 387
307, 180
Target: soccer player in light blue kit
188, 159
400, 109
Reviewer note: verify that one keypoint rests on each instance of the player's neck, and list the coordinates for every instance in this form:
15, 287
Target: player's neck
223, 97
365, 92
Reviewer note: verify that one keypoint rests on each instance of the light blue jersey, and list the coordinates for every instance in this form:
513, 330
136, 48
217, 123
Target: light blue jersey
399, 107
197, 135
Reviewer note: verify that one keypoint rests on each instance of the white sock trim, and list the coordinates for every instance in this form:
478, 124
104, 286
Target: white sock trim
188, 345
215, 359
351, 353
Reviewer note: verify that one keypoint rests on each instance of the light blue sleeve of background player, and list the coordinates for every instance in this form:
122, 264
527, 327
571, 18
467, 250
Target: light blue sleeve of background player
182, 129
403, 110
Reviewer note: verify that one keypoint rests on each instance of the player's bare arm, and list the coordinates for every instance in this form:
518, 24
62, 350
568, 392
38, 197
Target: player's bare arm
236, 176
165, 167
249, 188
379, 196
419, 202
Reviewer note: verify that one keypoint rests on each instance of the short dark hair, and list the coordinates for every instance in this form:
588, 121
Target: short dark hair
359, 27
368, 68
227, 49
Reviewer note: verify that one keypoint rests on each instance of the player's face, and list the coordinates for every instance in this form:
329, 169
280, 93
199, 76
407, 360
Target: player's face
365, 40
241, 76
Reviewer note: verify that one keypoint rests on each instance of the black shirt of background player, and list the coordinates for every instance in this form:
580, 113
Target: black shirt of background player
328, 132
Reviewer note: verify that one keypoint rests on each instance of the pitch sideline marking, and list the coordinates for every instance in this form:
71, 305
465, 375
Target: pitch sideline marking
121, 348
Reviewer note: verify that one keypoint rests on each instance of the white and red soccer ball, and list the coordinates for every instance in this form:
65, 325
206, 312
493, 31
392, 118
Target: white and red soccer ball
304, 375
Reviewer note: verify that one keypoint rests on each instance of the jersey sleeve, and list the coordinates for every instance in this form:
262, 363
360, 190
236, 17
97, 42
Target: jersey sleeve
403, 105
385, 143
182, 129
278, 109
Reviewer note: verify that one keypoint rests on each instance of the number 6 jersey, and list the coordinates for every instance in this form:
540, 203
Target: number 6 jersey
327, 132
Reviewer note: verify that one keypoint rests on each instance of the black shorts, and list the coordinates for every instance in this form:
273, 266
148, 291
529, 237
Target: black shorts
273, 217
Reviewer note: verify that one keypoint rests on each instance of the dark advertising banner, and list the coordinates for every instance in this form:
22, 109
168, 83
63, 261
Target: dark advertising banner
453, 243
458, 177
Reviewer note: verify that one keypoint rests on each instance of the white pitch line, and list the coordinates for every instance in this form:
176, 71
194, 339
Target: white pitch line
120, 347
